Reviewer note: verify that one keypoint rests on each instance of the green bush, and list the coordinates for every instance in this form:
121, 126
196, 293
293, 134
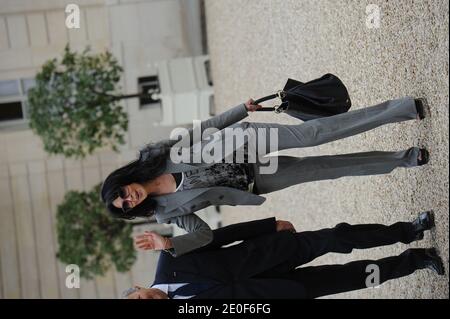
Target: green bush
90, 238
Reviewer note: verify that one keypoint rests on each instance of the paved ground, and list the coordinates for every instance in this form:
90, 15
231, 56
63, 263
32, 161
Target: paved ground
255, 45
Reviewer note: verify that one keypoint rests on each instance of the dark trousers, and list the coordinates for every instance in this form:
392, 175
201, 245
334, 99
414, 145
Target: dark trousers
332, 279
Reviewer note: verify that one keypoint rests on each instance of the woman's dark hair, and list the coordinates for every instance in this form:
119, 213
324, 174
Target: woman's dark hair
150, 164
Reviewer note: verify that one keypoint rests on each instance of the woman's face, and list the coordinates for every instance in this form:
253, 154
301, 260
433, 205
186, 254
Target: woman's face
133, 195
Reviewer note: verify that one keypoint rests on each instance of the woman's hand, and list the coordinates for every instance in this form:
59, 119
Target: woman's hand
285, 225
252, 107
151, 240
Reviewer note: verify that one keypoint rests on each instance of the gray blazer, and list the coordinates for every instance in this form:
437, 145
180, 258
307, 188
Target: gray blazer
179, 207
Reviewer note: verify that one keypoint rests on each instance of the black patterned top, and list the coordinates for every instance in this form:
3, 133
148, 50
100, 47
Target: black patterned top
221, 174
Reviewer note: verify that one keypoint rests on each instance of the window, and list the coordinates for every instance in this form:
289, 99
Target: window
208, 72
9, 88
212, 106
149, 85
11, 111
13, 101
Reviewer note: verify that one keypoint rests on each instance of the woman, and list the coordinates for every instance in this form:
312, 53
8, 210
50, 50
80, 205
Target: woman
155, 184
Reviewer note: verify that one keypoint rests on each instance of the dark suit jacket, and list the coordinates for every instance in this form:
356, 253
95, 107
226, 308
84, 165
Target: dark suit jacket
250, 269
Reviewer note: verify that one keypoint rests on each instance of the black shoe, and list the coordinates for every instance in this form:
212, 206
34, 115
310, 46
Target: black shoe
425, 157
425, 221
421, 107
433, 262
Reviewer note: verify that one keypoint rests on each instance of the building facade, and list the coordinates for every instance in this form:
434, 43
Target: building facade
140, 34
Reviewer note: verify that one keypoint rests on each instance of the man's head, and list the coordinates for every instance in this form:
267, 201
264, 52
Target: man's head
144, 293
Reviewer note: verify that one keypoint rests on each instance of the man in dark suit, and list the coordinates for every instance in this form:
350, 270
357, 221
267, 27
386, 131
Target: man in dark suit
264, 264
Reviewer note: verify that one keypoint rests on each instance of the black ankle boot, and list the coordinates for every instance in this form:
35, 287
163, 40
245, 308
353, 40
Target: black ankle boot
425, 221
425, 157
421, 107
433, 261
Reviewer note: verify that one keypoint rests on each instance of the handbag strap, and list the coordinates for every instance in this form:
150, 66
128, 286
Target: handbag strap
266, 98
265, 109
277, 109
280, 94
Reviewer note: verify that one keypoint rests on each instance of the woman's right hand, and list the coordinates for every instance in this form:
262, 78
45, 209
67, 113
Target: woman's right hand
251, 107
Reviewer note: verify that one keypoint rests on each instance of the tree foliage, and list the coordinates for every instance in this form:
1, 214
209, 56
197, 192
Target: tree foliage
90, 238
73, 107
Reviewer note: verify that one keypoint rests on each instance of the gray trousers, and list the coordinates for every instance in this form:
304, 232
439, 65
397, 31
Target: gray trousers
295, 170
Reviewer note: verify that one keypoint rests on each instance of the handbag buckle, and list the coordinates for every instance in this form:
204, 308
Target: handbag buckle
281, 108
277, 109
281, 94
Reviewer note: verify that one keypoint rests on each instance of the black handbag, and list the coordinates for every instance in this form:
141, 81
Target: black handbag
325, 96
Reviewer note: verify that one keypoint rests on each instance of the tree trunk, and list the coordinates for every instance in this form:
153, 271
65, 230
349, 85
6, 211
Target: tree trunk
124, 96
130, 96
